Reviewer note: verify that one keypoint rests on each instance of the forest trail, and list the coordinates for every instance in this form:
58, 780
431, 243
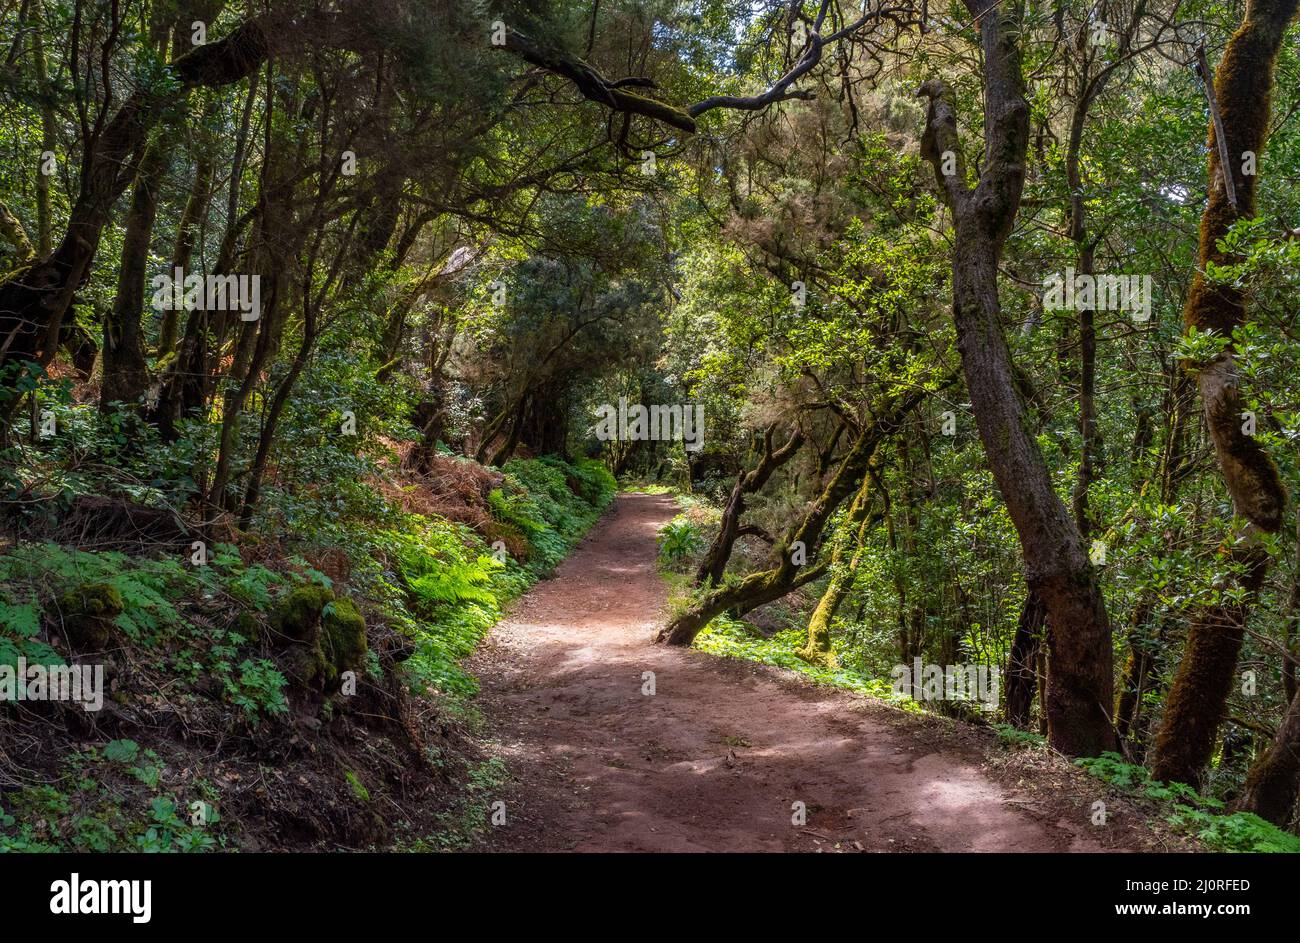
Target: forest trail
714, 760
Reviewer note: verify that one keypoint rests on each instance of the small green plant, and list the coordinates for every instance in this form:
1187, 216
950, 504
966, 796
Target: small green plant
258, 690
121, 751
169, 832
358, 787
1240, 831
1193, 813
678, 541
1014, 737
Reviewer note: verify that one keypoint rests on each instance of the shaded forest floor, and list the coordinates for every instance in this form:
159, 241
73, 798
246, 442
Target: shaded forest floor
717, 757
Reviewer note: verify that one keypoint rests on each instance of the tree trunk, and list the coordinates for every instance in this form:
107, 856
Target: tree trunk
125, 372
1057, 569
1274, 780
1022, 662
1079, 682
1243, 86
854, 530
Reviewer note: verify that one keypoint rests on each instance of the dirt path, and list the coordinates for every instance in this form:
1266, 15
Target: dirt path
714, 760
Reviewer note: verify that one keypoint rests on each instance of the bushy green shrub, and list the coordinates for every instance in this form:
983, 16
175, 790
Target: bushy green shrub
678, 541
445, 588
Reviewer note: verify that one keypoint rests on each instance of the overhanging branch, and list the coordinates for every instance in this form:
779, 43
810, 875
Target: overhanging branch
615, 94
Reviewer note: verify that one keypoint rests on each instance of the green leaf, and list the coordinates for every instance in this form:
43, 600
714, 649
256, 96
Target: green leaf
121, 751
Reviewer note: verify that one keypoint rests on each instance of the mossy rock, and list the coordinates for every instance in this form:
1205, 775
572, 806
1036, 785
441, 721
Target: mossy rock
343, 635
323, 635
305, 664
298, 615
88, 613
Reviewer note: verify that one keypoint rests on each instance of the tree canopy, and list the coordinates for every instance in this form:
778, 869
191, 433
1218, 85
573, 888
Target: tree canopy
987, 308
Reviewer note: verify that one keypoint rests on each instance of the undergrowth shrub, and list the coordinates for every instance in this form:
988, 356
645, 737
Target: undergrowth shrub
679, 540
443, 586
202, 629
731, 638
1192, 812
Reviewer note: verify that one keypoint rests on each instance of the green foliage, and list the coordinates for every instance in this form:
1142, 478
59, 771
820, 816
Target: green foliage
18, 626
155, 602
731, 638
1013, 736
1112, 768
1193, 813
122, 751
456, 583
105, 804
1240, 831
168, 832
678, 541
258, 689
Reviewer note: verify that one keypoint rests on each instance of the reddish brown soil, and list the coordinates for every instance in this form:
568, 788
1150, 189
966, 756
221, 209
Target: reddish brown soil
714, 760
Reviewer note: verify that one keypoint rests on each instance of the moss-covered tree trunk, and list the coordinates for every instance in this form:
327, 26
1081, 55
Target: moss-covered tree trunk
791, 569
1274, 781
714, 562
1195, 705
1080, 684
853, 530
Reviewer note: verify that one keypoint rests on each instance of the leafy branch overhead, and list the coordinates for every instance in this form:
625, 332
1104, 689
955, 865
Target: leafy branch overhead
939, 353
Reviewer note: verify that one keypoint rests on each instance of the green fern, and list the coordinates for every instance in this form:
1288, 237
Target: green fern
457, 583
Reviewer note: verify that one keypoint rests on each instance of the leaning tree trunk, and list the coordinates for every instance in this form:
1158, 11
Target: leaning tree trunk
854, 528
714, 562
1080, 683
786, 573
1197, 700
1274, 780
